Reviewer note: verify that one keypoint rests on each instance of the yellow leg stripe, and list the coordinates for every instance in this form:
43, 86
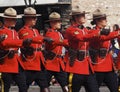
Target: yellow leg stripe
2, 83
70, 82
119, 89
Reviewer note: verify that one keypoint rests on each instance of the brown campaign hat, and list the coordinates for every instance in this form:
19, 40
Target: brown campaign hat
10, 13
98, 14
54, 16
78, 11
30, 12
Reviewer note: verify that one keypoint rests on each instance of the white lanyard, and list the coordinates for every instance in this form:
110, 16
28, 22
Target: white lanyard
35, 34
13, 34
13, 37
63, 48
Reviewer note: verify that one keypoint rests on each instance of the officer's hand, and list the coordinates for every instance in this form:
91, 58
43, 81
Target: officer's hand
2, 37
72, 55
105, 31
48, 40
27, 42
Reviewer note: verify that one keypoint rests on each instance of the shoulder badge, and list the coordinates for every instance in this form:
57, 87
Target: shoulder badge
76, 32
25, 34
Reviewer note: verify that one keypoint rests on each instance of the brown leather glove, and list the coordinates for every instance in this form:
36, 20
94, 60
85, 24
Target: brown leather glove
27, 42
48, 40
105, 31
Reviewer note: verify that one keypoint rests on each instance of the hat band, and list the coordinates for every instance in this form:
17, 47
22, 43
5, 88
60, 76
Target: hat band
10, 15
99, 16
79, 12
30, 14
54, 18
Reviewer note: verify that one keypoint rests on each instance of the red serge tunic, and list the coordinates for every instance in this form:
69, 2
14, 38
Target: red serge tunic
56, 63
32, 62
79, 40
12, 42
103, 64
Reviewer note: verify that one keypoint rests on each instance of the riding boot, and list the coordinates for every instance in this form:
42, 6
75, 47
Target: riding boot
65, 89
45, 90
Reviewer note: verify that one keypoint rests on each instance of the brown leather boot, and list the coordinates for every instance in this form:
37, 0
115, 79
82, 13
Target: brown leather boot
65, 89
45, 90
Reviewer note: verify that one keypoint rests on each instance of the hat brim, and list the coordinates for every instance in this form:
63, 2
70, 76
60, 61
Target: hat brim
37, 15
78, 13
99, 17
4, 16
53, 20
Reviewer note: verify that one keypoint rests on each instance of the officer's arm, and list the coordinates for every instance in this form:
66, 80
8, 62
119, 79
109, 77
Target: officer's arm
63, 42
88, 37
37, 40
76, 35
10, 43
110, 36
57, 42
50, 45
23, 34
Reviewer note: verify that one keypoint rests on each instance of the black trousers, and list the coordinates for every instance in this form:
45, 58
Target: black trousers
38, 76
61, 77
118, 80
78, 80
109, 78
19, 78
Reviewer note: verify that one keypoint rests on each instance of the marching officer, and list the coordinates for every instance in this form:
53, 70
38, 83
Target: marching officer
102, 59
55, 64
31, 57
77, 59
9, 65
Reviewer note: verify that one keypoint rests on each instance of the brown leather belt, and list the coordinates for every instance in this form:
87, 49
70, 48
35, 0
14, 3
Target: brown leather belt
37, 49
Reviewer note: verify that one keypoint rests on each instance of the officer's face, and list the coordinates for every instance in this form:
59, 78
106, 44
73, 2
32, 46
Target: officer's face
11, 22
80, 19
31, 21
102, 22
56, 24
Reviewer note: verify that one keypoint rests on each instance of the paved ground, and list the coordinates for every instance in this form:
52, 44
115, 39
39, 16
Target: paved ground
53, 89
